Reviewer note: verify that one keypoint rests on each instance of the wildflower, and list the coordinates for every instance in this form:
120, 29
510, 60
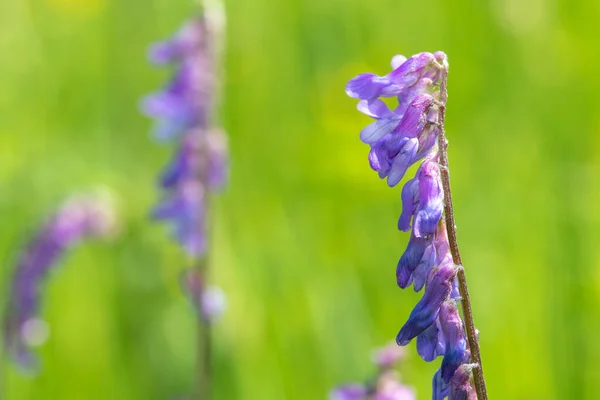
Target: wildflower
385, 385
79, 218
182, 112
400, 137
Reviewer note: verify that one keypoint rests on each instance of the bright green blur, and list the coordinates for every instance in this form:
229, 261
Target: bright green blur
305, 240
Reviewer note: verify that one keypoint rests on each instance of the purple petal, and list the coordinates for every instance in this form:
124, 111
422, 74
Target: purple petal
431, 343
421, 273
366, 86
378, 129
375, 108
456, 344
407, 96
414, 120
410, 260
440, 388
431, 199
411, 70
460, 385
427, 309
410, 201
402, 161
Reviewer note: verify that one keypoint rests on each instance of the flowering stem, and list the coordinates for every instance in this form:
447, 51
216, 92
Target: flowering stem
451, 229
204, 345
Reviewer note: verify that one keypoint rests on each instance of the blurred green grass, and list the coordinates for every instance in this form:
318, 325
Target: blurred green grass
305, 242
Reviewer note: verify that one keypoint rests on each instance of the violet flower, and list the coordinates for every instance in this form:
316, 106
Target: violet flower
183, 112
399, 138
385, 385
79, 218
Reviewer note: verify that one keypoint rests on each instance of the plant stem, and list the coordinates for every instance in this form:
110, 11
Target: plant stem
204, 346
451, 229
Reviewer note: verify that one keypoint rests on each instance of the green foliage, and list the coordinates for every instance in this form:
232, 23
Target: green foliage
305, 242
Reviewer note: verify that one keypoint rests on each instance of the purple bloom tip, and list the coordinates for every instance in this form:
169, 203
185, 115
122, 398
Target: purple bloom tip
349, 392
388, 356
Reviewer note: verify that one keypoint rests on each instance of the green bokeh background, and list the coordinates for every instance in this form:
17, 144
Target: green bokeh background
305, 240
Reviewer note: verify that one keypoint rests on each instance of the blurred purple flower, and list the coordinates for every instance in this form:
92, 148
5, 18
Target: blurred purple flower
183, 111
400, 137
80, 217
208, 301
389, 388
352, 391
184, 208
388, 356
385, 385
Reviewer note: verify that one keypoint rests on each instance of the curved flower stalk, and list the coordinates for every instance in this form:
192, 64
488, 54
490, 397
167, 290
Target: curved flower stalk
79, 218
385, 385
184, 113
412, 133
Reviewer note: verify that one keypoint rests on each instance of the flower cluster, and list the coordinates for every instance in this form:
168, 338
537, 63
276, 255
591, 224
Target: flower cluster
182, 112
400, 138
80, 217
385, 385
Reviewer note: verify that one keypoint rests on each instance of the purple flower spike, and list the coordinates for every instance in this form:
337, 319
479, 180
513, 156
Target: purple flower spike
427, 309
183, 111
431, 199
349, 392
456, 345
399, 137
79, 218
460, 385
